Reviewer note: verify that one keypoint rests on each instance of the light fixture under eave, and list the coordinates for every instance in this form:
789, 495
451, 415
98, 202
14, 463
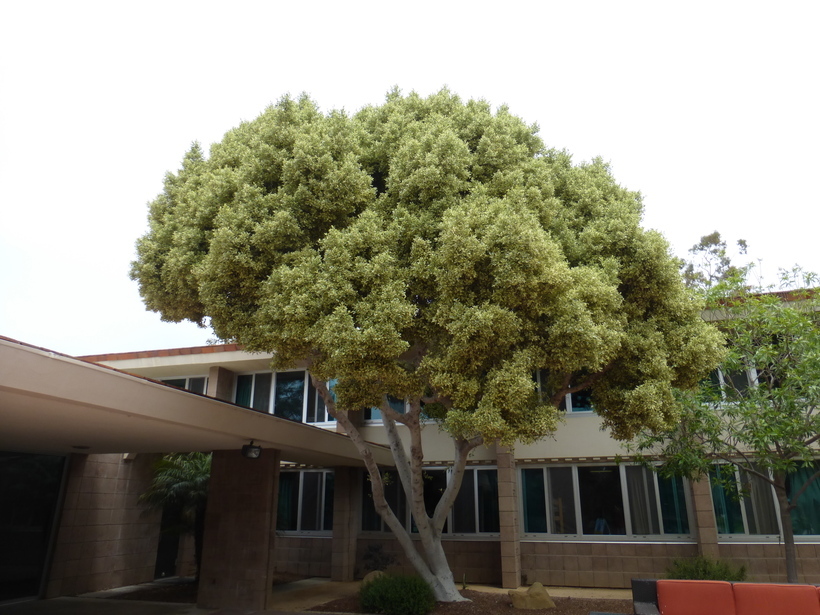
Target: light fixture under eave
251, 451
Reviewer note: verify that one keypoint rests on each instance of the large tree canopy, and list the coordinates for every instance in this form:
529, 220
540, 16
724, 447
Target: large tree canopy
427, 247
432, 250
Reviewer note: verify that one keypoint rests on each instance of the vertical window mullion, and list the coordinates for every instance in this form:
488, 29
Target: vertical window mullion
742, 506
576, 488
661, 528
306, 400
299, 500
625, 500
272, 407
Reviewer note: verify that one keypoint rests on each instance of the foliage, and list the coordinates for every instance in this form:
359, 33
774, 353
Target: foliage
706, 569
435, 251
180, 484
710, 263
376, 558
761, 413
397, 595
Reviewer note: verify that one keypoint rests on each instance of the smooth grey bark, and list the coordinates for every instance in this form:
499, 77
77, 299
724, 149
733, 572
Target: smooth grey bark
433, 567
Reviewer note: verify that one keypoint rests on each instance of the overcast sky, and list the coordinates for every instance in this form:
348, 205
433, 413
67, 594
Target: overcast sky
710, 109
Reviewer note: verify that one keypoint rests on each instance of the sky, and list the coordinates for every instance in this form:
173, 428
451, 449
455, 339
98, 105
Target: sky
710, 109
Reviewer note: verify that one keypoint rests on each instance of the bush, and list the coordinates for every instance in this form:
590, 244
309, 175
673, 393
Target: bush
705, 569
397, 595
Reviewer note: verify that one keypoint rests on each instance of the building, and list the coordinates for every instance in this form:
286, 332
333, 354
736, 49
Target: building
570, 510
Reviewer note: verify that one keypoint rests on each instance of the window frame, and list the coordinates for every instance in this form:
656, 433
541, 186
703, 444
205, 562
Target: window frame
447, 531
300, 495
270, 405
187, 379
629, 535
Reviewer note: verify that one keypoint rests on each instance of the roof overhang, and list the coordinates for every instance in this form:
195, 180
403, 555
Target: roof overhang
55, 404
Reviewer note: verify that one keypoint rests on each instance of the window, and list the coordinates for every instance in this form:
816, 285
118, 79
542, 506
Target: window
602, 500
579, 401
198, 384
732, 385
474, 511
305, 501
374, 414
806, 517
752, 514
288, 395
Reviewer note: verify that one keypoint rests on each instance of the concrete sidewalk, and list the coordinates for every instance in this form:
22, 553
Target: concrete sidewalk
288, 598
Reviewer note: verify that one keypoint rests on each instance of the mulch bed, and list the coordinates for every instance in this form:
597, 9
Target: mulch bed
481, 603
484, 603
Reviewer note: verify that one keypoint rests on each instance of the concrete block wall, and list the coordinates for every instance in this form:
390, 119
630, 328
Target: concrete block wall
477, 561
306, 555
582, 564
239, 531
105, 537
765, 563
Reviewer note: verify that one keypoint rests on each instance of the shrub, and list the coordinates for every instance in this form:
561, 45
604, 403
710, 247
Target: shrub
397, 595
705, 569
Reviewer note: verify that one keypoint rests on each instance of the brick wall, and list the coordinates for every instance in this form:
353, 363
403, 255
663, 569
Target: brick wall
479, 561
765, 563
308, 556
597, 564
105, 537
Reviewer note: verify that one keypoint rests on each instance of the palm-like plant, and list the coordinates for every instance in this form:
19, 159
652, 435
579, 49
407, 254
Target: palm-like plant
180, 484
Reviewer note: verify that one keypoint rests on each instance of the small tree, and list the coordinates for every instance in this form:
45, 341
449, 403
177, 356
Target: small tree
761, 413
433, 251
180, 484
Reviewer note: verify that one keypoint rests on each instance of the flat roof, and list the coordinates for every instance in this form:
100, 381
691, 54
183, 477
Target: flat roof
56, 404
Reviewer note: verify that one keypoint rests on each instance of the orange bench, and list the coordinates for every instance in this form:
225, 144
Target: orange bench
677, 597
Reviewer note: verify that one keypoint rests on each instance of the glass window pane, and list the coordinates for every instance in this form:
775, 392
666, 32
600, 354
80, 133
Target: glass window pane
197, 385
290, 395
535, 502
327, 523
601, 502
464, 506
736, 384
581, 401
487, 500
758, 501
673, 505
261, 391
311, 501
806, 516
371, 521
643, 508
314, 399
562, 501
175, 382
728, 517
244, 385
288, 501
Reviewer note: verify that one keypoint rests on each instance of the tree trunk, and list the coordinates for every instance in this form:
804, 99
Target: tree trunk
788, 529
433, 567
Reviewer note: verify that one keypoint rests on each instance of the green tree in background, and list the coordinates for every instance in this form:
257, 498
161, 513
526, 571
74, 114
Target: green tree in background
761, 413
435, 251
180, 484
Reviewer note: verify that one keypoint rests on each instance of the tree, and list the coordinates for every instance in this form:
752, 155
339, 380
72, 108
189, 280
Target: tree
180, 484
433, 251
710, 262
761, 412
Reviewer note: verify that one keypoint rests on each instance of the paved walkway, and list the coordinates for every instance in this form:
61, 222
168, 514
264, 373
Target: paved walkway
291, 597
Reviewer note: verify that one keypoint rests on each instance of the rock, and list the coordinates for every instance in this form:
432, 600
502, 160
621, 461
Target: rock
372, 576
534, 597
